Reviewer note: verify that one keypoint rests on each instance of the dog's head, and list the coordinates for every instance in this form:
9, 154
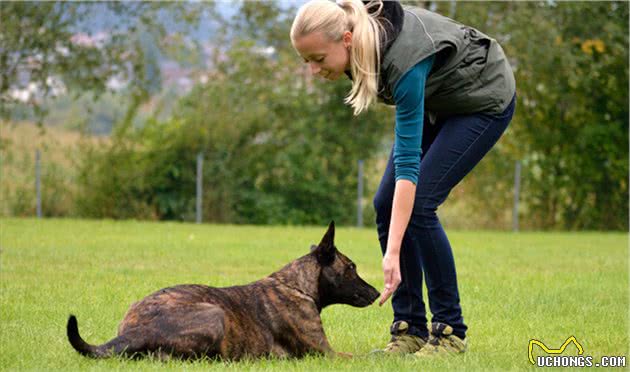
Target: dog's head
339, 282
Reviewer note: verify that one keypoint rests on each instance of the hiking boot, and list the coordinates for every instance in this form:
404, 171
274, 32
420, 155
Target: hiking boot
402, 343
442, 341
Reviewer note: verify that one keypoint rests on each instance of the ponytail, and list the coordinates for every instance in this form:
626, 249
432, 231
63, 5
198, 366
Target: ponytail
365, 54
365, 59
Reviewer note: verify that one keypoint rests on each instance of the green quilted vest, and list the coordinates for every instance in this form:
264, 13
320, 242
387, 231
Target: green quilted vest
470, 73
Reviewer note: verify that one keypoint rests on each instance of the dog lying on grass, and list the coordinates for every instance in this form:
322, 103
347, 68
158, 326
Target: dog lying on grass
278, 315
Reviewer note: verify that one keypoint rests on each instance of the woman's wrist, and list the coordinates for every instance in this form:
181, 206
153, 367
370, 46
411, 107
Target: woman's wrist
393, 249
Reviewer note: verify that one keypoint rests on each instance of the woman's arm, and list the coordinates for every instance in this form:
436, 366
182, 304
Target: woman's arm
409, 97
404, 196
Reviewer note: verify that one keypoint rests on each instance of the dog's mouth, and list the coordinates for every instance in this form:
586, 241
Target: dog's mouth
366, 299
375, 296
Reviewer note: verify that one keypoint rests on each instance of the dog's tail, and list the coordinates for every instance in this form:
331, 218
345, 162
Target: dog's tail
93, 351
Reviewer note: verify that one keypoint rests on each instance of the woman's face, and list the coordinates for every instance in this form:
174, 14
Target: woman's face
328, 59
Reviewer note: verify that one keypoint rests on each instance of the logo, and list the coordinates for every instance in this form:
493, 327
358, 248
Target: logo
579, 360
553, 351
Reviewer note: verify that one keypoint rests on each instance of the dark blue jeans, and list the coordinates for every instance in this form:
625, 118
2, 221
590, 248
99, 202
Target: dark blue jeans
450, 150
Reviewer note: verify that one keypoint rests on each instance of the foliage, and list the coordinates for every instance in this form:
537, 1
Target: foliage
42, 51
570, 130
271, 155
280, 147
18, 144
575, 100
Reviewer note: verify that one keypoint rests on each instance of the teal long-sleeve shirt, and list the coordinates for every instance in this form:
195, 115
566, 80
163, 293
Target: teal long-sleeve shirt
409, 99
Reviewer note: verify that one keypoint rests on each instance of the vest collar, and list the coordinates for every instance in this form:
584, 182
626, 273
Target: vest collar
392, 19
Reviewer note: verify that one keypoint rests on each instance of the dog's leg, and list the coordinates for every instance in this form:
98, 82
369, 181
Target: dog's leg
313, 339
191, 331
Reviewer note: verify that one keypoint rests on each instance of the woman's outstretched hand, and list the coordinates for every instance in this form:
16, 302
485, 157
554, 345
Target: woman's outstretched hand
391, 270
404, 196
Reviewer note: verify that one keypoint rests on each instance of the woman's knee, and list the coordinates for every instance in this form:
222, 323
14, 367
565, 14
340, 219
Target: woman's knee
424, 211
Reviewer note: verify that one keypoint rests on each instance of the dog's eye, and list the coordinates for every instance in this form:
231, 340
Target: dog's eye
352, 267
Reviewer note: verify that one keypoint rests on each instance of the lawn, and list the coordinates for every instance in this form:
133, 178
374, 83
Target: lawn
514, 287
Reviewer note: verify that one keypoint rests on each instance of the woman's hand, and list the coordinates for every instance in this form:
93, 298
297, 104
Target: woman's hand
404, 195
391, 270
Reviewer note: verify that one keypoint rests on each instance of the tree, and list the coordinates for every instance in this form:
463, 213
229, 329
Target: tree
570, 129
280, 146
41, 50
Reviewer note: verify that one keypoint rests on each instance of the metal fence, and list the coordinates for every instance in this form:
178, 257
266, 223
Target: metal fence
360, 188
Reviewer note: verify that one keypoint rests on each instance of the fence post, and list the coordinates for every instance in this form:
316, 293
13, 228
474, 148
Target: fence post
38, 183
360, 195
517, 191
199, 185
451, 13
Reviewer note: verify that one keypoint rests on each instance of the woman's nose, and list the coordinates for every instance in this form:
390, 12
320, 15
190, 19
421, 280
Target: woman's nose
315, 69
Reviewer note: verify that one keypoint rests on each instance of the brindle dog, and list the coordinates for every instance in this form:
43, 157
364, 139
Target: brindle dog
276, 316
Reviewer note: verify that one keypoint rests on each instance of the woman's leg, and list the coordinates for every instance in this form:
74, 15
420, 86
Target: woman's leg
407, 300
462, 141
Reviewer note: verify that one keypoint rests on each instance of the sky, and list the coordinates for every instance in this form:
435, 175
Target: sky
102, 19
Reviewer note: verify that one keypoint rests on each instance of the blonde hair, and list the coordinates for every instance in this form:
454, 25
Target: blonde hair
333, 19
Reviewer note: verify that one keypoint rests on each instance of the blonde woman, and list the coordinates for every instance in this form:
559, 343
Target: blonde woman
454, 93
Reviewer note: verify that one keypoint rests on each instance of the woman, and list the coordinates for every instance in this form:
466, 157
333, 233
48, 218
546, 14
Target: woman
415, 59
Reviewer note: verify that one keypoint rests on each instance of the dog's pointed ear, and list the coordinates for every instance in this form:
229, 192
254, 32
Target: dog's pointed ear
325, 250
329, 237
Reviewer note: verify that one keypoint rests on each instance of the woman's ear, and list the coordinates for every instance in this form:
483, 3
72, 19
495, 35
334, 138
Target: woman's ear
347, 39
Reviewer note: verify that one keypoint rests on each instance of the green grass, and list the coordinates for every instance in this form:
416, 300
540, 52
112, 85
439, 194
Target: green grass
514, 287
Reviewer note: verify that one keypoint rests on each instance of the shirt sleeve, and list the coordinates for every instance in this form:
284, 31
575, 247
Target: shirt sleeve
409, 99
